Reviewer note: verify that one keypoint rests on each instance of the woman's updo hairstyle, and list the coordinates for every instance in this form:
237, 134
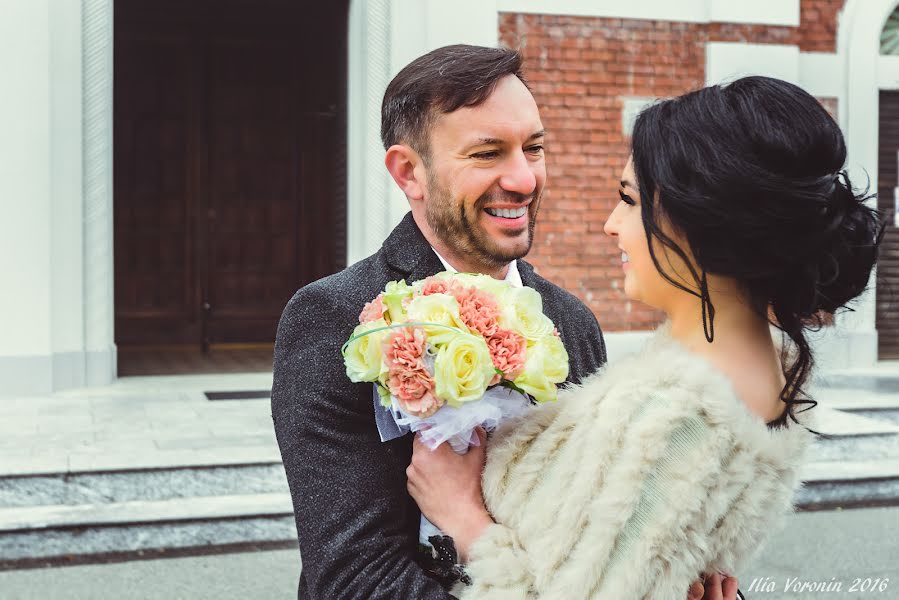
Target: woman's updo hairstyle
751, 175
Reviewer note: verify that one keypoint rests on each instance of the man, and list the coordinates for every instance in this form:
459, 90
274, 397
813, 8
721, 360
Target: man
464, 142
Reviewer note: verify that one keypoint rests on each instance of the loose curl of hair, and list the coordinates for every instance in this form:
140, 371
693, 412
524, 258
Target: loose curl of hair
752, 175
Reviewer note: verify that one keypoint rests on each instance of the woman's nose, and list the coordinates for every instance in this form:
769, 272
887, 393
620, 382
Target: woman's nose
611, 226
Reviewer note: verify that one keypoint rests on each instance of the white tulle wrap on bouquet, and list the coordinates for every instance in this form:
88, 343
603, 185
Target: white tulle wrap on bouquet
456, 426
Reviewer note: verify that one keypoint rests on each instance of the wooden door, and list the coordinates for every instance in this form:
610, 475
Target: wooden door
156, 294
229, 159
888, 265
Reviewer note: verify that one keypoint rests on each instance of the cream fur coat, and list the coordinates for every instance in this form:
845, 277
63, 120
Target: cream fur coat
631, 485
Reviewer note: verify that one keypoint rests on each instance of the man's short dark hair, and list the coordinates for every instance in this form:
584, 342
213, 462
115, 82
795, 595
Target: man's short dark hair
440, 82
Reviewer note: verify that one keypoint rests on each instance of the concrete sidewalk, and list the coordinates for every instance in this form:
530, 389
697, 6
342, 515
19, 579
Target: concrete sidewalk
138, 423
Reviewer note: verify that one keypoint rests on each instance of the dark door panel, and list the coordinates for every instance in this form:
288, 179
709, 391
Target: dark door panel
229, 155
155, 294
888, 265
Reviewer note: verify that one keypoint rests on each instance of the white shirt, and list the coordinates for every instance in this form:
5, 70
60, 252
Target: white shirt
513, 277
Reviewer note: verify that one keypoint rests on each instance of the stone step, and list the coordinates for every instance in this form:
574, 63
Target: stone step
855, 399
849, 484
66, 545
54, 518
842, 424
200, 508
882, 378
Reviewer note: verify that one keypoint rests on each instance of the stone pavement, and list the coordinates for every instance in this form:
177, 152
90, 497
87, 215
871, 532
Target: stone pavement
138, 423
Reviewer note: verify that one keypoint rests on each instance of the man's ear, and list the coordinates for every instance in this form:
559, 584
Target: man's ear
407, 169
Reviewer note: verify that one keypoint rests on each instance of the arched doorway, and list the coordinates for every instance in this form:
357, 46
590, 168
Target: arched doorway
229, 170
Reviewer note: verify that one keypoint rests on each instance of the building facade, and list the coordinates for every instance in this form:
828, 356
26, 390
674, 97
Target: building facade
172, 176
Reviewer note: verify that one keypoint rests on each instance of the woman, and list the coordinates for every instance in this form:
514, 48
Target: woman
734, 213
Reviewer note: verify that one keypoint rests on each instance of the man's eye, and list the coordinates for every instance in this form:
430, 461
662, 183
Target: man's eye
486, 155
626, 199
535, 149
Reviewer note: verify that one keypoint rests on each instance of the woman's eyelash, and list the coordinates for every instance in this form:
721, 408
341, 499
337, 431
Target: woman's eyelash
626, 199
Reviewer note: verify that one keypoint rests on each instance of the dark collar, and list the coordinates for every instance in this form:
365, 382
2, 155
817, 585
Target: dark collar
407, 251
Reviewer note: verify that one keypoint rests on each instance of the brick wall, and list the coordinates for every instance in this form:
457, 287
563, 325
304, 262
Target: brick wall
581, 70
818, 25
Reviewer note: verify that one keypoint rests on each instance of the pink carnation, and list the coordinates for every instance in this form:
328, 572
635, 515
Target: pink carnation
508, 350
478, 309
415, 391
435, 285
404, 349
373, 311
409, 380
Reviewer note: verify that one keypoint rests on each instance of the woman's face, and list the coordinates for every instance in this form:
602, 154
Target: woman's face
642, 281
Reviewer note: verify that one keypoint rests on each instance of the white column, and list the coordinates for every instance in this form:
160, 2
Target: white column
385, 35
99, 310
66, 215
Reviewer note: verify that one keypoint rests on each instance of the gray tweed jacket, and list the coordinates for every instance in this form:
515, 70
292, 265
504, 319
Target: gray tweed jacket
357, 525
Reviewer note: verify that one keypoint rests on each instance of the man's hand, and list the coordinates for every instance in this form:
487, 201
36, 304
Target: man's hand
714, 588
447, 488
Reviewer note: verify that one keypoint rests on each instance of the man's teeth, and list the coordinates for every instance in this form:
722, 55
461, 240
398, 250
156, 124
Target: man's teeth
508, 213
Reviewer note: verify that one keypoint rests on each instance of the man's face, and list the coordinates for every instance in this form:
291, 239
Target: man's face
485, 177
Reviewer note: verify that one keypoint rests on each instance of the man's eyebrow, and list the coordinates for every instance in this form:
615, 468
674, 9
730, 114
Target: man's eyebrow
489, 141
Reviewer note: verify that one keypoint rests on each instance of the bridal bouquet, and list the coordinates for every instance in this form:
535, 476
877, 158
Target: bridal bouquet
453, 352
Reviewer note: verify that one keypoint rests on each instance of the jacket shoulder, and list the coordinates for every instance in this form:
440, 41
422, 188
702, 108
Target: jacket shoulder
341, 294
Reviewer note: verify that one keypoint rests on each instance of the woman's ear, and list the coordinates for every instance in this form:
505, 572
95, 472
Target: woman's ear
403, 163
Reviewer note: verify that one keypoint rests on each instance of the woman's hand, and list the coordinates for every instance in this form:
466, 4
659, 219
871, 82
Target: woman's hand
447, 488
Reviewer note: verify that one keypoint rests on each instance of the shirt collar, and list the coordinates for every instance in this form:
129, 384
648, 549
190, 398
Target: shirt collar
513, 277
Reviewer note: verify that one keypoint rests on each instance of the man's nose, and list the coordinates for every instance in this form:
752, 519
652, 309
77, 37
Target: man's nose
519, 175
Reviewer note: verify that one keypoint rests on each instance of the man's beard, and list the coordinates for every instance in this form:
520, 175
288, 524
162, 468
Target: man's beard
457, 225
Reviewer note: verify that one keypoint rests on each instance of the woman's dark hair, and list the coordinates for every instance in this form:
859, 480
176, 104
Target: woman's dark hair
751, 175
441, 81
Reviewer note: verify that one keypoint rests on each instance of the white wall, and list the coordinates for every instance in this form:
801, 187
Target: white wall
25, 191
47, 311
726, 61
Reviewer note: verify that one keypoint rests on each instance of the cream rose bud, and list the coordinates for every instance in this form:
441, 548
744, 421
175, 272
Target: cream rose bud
463, 369
441, 310
534, 378
523, 313
363, 354
555, 359
394, 297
